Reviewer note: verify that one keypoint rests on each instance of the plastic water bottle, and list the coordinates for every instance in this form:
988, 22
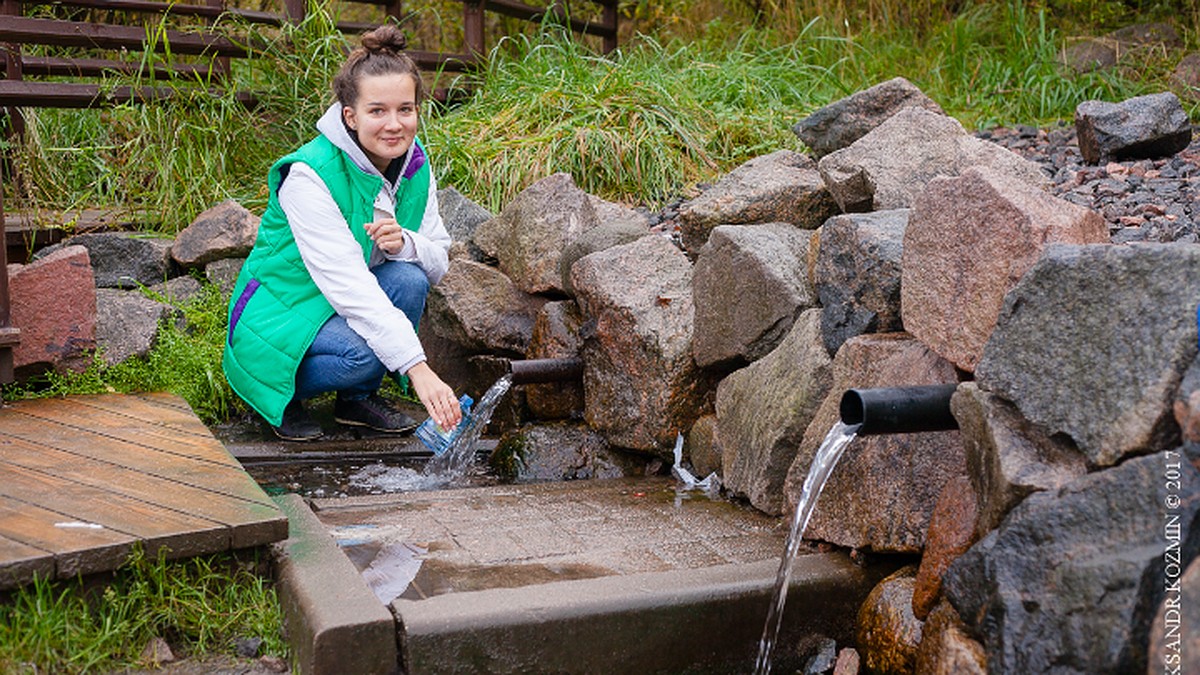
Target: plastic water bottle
438, 439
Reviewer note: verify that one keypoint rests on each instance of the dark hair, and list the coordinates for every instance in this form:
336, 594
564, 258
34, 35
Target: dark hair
381, 53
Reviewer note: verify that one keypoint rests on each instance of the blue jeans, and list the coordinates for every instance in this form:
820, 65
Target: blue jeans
339, 359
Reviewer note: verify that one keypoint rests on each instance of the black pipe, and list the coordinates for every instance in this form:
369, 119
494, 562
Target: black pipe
899, 410
546, 370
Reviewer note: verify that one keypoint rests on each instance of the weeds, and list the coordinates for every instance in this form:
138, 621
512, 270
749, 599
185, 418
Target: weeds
201, 604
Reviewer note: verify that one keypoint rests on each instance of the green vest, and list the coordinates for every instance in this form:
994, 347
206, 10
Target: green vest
276, 309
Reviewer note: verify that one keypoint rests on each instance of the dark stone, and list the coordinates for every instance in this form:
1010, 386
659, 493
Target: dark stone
1144, 126
842, 122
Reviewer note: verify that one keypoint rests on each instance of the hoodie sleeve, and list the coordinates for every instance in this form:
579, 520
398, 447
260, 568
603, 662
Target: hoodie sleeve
335, 262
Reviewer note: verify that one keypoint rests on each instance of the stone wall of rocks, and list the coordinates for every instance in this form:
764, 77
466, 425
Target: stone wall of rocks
903, 251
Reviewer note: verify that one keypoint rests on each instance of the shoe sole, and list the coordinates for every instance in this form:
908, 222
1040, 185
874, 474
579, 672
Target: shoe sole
356, 423
298, 439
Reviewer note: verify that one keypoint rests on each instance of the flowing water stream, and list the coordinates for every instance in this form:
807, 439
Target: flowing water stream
459, 456
818, 473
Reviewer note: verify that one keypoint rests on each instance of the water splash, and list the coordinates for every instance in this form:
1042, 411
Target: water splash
459, 456
818, 474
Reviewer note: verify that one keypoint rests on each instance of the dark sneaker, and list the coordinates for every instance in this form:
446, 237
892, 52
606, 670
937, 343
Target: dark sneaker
297, 425
373, 412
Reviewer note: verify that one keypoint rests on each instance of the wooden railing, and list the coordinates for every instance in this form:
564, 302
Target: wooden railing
97, 50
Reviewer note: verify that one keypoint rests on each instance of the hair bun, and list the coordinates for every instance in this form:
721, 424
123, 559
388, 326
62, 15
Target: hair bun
385, 38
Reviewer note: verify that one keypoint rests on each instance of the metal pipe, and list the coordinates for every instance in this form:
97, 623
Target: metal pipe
545, 370
899, 410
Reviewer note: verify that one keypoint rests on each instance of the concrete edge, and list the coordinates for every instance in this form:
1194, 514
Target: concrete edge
333, 621
694, 621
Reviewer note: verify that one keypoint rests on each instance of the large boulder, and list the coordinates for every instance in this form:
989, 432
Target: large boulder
968, 241
61, 339
641, 384
891, 165
749, 285
882, 494
782, 187
128, 323
462, 217
226, 230
763, 410
477, 307
564, 451
1093, 342
1149, 126
603, 236
556, 335
1008, 457
858, 275
529, 235
123, 259
1072, 579
842, 122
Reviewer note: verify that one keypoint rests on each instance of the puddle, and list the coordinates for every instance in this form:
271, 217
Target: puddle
331, 479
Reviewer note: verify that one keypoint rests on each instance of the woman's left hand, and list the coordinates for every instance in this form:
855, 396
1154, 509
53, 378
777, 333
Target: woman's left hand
387, 235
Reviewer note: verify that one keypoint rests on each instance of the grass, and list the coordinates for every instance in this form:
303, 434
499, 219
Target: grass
198, 605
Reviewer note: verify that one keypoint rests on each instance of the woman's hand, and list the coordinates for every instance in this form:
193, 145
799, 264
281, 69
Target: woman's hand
438, 397
387, 235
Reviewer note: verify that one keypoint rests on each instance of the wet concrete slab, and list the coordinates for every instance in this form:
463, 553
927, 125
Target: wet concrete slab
623, 575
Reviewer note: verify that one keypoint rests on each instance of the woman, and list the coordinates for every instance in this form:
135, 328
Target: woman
349, 244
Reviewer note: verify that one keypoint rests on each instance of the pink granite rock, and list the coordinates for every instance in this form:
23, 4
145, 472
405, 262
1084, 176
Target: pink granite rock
53, 302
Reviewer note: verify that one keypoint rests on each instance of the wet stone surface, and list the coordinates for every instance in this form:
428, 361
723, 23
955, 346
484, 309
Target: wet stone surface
422, 544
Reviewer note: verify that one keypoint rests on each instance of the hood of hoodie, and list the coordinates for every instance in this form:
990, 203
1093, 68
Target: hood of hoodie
332, 126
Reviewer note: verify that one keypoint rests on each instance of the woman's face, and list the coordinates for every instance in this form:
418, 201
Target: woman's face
385, 116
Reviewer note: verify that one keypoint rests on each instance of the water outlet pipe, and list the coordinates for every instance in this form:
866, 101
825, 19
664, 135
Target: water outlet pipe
899, 410
530, 371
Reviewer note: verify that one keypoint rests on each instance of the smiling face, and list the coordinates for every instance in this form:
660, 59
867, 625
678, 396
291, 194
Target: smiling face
385, 116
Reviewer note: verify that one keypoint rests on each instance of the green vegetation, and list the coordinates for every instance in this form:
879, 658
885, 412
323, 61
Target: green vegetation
197, 605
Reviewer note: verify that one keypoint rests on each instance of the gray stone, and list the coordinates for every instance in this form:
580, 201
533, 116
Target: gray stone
1071, 580
63, 339
1089, 54
890, 166
224, 273
842, 122
227, 230
599, 238
1186, 406
530, 234
1149, 126
782, 187
462, 217
556, 335
763, 410
178, 291
883, 492
640, 382
1008, 458
127, 323
858, 275
749, 284
560, 451
618, 215
1156, 34
479, 308
969, 240
123, 259
1187, 74
1093, 342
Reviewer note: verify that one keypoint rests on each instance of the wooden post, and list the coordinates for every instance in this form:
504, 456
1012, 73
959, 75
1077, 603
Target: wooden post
610, 22
15, 123
295, 10
222, 64
394, 9
473, 28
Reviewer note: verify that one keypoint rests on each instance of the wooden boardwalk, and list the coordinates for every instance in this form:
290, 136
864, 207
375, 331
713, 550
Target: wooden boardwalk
84, 479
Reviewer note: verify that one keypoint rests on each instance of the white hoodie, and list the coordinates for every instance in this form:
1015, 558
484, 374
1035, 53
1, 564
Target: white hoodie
334, 259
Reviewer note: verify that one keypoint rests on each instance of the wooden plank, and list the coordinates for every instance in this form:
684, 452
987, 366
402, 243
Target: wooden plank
36, 94
58, 417
21, 563
55, 32
76, 550
179, 534
47, 66
232, 481
251, 523
167, 412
